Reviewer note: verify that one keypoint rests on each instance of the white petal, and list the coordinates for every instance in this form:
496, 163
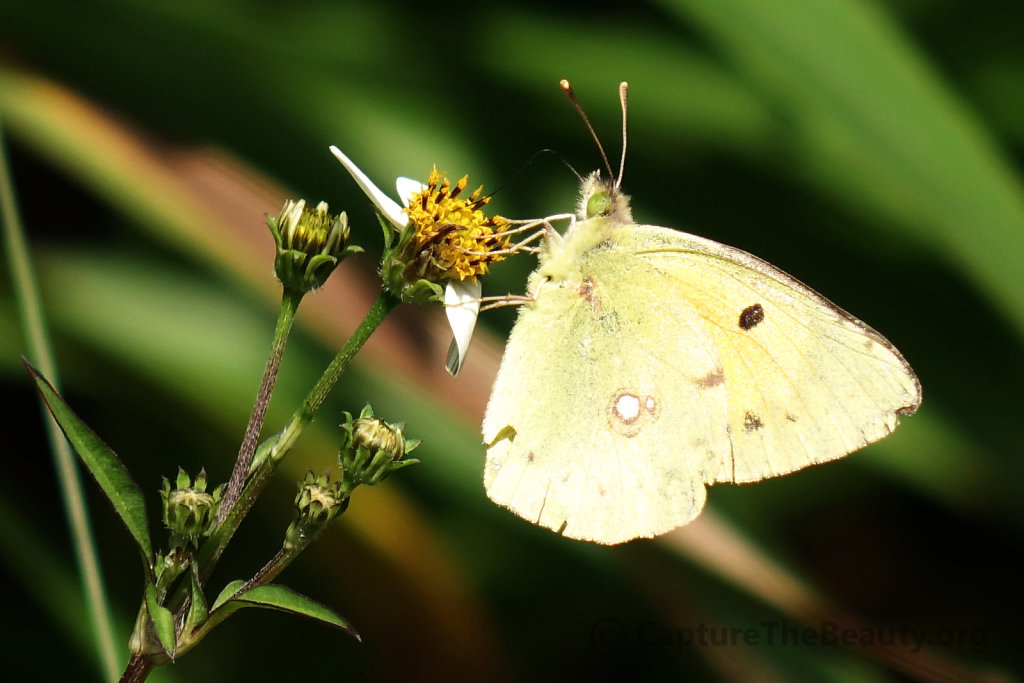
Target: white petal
407, 187
385, 204
462, 304
294, 213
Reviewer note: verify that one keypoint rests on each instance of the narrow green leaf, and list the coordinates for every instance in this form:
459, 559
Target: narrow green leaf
287, 600
103, 463
197, 611
228, 591
163, 620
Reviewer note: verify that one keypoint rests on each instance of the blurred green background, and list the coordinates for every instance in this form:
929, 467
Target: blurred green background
869, 148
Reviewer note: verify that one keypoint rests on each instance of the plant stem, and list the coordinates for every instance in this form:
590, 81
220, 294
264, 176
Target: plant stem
289, 304
271, 569
140, 666
384, 304
137, 670
267, 573
214, 546
37, 341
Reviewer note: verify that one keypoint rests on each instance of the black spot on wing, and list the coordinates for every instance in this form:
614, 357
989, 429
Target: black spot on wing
751, 316
751, 422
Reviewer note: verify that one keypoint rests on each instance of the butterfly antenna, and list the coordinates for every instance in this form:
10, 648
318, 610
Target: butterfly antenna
558, 155
567, 89
526, 164
623, 93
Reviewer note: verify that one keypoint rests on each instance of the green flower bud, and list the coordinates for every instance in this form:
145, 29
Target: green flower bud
378, 436
310, 244
169, 567
372, 449
189, 511
317, 503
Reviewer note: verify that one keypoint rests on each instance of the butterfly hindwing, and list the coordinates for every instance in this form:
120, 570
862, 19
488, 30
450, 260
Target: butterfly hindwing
608, 384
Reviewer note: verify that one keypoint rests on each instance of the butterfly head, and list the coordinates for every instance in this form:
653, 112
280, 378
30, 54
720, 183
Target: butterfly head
600, 198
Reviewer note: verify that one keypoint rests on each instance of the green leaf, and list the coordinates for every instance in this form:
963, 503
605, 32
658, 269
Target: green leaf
103, 463
228, 591
286, 600
163, 620
197, 611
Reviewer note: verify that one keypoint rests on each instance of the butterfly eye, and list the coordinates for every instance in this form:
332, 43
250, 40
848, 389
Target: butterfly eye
598, 203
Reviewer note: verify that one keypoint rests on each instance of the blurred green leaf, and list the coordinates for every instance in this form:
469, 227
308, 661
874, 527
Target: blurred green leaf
872, 122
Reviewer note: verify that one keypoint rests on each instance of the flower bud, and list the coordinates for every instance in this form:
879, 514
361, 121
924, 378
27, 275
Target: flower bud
310, 244
378, 436
317, 503
372, 449
170, 566
188, 510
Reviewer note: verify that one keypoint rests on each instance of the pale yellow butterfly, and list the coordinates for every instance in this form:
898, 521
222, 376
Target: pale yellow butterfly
651, 363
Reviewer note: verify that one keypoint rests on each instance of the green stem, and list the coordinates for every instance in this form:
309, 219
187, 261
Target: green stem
265, 575
271, 569
289, 304
37, 341
273, 452
264, 469
282, 559
385, 303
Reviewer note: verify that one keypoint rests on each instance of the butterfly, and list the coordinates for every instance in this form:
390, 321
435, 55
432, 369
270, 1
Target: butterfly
650, 363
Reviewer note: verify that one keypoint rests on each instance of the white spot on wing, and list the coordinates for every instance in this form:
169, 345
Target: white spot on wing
628, 411
627, 407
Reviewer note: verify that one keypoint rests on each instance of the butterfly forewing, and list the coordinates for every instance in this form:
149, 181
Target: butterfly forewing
806, 381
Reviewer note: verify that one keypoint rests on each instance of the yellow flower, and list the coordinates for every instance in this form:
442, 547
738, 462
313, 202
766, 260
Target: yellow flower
451, 234
445, 238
